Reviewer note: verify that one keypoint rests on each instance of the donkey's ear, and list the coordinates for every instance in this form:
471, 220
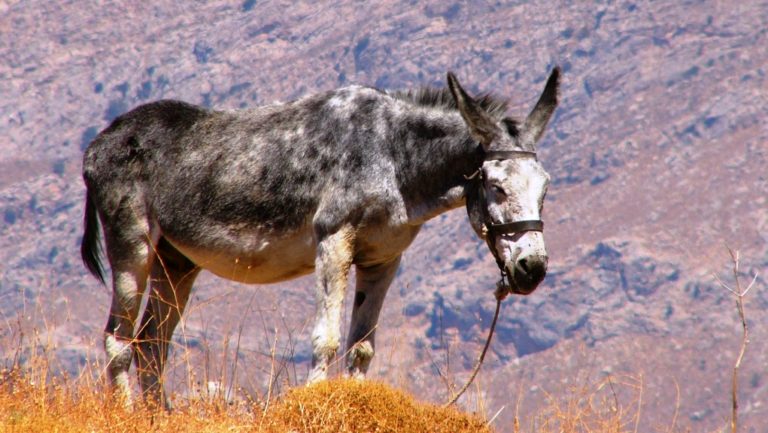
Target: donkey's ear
481, 126
534, 125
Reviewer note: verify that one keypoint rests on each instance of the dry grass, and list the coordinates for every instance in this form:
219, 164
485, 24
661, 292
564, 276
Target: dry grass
30, 402
33, 399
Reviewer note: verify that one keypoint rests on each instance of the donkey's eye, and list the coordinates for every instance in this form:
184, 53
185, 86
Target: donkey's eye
498, 190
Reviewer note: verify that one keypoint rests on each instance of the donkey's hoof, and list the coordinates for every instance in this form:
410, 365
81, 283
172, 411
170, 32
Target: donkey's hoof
359, 358
317, 374
362, 351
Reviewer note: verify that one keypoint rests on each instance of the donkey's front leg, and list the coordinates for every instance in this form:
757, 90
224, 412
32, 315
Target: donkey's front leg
334, 257
372, 285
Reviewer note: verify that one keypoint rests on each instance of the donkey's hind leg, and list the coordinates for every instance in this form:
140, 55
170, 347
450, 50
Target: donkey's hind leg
130, 252
171, 280
372, 285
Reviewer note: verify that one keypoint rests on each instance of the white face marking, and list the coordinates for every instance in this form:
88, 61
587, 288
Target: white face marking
515, 191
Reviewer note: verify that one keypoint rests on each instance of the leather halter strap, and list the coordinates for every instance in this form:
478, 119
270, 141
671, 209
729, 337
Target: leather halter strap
500, 155
515, 227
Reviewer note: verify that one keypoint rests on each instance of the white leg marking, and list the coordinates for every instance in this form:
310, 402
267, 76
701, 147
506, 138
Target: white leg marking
119, 356
334, 257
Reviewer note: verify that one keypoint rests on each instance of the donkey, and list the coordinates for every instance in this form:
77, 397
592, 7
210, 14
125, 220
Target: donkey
262, 195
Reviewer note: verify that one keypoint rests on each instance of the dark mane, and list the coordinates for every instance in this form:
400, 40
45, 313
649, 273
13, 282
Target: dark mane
442, 98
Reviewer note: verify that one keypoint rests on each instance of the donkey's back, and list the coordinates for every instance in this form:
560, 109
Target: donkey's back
237, 192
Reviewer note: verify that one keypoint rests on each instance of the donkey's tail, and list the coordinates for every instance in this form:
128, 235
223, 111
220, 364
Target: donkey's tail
90, 248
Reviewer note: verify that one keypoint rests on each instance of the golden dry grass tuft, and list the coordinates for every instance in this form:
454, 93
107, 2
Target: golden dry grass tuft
349, 405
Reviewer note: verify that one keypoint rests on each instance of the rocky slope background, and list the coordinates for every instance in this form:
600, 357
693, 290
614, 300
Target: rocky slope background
658, 155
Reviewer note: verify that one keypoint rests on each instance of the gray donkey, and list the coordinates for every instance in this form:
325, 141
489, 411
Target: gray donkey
336, 179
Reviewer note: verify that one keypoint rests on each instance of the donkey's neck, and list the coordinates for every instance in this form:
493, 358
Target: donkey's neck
433, 156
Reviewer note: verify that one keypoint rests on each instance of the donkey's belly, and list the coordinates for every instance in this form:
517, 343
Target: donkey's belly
266, 261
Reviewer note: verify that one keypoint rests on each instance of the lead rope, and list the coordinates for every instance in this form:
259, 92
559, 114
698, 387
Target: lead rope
499, 294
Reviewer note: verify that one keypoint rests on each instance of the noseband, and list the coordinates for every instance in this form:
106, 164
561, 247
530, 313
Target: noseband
493, 230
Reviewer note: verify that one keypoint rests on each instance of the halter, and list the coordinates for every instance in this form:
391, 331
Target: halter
493, 230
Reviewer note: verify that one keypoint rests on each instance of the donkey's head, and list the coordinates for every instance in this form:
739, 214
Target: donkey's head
505, 199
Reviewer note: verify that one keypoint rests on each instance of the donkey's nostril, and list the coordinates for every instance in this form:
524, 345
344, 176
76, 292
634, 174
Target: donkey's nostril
523, 263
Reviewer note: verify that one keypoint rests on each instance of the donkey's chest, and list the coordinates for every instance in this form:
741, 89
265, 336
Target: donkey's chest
375, 245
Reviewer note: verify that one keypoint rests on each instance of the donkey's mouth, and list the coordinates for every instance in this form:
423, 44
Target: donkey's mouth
526, 274
516, 289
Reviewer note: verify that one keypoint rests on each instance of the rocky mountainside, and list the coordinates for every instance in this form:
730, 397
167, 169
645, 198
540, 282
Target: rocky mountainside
658, 155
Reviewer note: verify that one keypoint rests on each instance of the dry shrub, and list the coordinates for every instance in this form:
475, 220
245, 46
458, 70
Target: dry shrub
349, 405
613, 406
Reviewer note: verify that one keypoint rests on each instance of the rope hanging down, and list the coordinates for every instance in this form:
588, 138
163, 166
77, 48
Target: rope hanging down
500, 293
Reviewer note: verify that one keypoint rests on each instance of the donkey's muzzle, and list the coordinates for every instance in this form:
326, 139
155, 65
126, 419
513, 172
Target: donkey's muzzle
527, 272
